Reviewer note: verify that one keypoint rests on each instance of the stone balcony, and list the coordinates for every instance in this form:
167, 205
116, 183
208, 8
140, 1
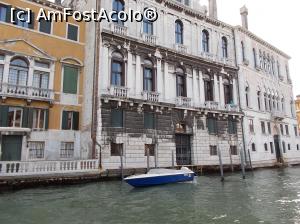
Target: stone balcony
150, 96
119, 29
183, 101
232, 108
208, 56
118, 91
227, 61
211, 105
180, 48
151, 39
277, 115
26, 92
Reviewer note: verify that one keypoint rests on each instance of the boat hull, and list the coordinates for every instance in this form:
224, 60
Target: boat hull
160, 180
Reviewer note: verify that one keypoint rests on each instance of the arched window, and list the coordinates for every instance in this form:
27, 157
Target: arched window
208, 88
224, 47
278, 69
243, 51
149, 79
147, 26
205, 41
178, 32
180, 82
227, 92
18, 72
118, 6
247, 96
254, 58
117, 70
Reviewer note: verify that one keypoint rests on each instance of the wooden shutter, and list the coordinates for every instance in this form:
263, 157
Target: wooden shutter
32, 21
8, 14
70, 80
64, 121
75, 120
117, 118
25, 117
30, 117
46, 119
3, 116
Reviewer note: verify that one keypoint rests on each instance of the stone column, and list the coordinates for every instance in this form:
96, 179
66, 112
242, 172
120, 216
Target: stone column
6, 69
216, 89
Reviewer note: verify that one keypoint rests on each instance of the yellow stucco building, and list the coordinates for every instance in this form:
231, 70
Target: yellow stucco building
41, 90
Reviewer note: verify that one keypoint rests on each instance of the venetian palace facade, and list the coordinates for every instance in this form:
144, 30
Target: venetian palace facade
41, 91
180, 91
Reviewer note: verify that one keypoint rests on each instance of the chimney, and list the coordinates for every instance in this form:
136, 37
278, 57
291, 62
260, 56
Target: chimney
244, 15
213, 12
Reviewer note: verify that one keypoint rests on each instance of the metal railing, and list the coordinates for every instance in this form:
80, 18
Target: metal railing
17, 168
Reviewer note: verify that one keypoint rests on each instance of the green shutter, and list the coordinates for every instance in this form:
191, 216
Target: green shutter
117, 118
47, 119
70, 80
75, 120
8, 13
30, 117
64, 122
149, 121
25, 117
3, 116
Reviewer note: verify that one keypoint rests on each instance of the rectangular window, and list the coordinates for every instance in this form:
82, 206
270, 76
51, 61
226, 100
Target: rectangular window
39, 119
117, 118
67, 150
72, 32
232, 127
70, 80
233, 150
281, 129
266, 147
117, 73
272, 147
149, 120
212, 125
298, 147
70, 120
208, 90
263, 128
149, 148
283, 147
3, 13
180, 85
213, 150
296, 131
289, 147
251, 126
253, 147
40, 81
15, 115
36, 150
228, 94
23, 19
287, 130
116, 149
45, 26
269, 128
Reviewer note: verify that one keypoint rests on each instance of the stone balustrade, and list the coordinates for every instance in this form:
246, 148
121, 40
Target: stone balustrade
150, 96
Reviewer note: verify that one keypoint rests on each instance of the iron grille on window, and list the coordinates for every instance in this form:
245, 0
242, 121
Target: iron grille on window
67, 150
36, 150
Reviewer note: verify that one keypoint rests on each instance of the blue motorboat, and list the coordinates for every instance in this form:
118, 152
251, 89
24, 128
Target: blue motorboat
161, 176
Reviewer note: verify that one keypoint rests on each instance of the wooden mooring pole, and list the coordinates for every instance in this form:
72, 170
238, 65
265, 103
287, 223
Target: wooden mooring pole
122, 167
173, 161
250, 160
148, 160
221, 164
242, 163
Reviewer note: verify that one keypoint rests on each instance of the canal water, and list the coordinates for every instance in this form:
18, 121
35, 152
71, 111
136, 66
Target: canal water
266, 196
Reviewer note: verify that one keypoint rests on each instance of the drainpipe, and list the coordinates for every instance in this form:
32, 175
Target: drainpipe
95, 88
238, 95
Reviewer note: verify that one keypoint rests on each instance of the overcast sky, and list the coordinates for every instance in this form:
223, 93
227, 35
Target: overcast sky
275, 21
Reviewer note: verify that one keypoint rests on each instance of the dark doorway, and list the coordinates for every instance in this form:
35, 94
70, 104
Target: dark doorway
277, 148
183, 150
11, 148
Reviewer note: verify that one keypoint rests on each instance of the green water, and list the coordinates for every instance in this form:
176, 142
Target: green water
267, 196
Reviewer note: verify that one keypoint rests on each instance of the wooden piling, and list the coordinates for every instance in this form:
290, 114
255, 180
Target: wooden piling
221, 164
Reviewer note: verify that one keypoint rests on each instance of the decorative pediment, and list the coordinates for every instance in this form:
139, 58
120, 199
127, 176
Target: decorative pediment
23, 47
71, 61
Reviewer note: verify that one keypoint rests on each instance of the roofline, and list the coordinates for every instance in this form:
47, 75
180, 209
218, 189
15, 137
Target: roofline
260, 40
47, 3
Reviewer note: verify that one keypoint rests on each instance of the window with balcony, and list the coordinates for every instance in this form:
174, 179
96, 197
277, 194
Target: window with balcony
205, 41
40, 80
224, 47
208, 88
36, 150
70, 120
149, 149
149, 120
70, 79
67, 150
116, 149
118, 6
178, 32
4, 9
147, 26
251, 125
212, 125
45, 26
180, 82
73, 32
149, 79
18, 72
117, 70
117, 118
228, 92
15, 115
